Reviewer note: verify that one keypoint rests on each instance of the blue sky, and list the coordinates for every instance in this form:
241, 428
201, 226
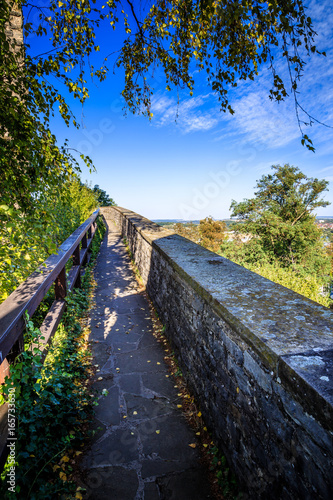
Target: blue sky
194, 167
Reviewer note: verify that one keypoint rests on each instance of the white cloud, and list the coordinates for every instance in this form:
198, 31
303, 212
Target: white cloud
264, 121
327, 169
188, 114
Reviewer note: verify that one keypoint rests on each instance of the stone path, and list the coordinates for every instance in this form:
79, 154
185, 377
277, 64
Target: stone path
141, 447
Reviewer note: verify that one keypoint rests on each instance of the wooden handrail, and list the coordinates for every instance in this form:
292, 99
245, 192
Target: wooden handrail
29, 295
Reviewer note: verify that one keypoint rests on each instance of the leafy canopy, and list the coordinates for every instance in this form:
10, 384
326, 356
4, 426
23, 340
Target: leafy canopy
280, 218
212, 233
227, 39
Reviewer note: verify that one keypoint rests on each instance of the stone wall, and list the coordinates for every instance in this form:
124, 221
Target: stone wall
257, 356
14, 30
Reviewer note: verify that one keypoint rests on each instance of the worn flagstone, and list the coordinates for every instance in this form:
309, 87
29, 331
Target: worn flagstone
141, 447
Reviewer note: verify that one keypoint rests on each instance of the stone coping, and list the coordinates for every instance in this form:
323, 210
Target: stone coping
292, 335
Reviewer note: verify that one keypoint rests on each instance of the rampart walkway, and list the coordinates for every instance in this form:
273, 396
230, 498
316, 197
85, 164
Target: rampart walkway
141, 447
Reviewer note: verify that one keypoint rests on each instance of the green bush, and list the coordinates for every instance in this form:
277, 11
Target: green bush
28, 238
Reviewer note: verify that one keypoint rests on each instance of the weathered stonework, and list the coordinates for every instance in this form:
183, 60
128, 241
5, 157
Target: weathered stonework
14, 30
258, 357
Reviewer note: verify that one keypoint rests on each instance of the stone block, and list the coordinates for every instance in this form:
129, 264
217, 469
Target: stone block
263, 379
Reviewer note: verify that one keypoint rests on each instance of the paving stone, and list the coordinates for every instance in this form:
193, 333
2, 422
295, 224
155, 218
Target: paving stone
156, 467
100, 351
106, 382
132, 303
111, 483
121, 337
130, 383
151, 491
139, 408
160, 384
96, 334
171, 442
119, 447
188, 485
122, 347
148, 360
98, 430
107, 410
147, 340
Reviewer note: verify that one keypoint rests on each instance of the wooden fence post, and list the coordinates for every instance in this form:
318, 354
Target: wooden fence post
76, 262
60, 286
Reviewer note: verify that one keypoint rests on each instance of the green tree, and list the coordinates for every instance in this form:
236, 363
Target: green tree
188, 230
103, 198
280, 219
212, 233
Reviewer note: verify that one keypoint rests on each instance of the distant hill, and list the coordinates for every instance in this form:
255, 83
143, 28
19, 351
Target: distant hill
167, 221
171, 222
163, 222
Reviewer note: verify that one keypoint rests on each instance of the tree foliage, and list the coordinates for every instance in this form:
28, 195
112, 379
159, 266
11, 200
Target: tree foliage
227, 39
42, 198
28, 238
280, 219
103, 198
31, 161
209, 233
212, 233
188, 230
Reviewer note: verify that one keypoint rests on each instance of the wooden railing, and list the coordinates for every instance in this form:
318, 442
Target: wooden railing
29, 295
